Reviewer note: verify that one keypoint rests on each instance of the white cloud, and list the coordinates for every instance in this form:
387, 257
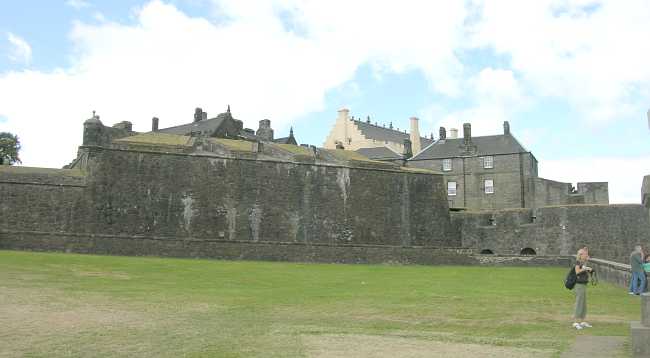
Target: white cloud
623, 174
273, 61
591, 53
495, 96
20, 51
77, 4
277, 59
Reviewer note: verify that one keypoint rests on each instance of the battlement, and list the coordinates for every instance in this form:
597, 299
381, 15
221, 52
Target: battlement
608, 230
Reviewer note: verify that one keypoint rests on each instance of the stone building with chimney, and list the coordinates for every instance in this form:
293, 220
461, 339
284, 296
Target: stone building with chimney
497, 172
378, 142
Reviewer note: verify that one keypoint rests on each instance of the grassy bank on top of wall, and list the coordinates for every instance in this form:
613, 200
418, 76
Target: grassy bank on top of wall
83, 305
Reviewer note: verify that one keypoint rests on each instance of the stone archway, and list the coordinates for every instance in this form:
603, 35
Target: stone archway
487, 252
528, 251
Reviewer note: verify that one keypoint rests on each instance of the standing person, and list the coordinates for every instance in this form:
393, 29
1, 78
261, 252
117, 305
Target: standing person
580, 289
637, 283
646, 268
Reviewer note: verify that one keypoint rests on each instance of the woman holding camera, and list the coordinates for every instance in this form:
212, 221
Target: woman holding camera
582, 278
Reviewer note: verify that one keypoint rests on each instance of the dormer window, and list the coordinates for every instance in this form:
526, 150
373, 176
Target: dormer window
446, 165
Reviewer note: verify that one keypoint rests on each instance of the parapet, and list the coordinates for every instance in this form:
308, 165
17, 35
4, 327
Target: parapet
645, 192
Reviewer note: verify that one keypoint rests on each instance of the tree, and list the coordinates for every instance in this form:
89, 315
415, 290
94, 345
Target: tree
9, 148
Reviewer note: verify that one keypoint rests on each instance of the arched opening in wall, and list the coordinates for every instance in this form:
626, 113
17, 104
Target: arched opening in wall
528, 251
487, 252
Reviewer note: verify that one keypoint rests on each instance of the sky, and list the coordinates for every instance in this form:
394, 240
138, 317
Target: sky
571, 76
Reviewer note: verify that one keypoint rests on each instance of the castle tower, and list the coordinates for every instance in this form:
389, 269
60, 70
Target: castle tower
92, 130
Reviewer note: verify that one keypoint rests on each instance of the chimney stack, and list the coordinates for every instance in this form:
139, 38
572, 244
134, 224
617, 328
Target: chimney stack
467, 134
154, 124
506, 127
453, 133
344, 114
198, 114
442, 134
264, 131
415, 135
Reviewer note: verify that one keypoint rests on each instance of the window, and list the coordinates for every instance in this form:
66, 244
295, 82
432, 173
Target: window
446, 165
489, 186
451, 188
488, 162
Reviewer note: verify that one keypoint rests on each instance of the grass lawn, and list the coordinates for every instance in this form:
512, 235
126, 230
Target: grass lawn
54, 305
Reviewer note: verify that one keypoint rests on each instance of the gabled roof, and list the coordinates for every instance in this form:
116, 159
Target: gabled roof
486, 145
379, 153
203, 126
283, 140
378, 133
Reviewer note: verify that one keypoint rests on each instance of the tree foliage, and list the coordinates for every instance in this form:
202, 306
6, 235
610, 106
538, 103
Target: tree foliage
9, 148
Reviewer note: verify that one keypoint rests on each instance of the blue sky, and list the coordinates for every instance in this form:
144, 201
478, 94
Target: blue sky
571, 76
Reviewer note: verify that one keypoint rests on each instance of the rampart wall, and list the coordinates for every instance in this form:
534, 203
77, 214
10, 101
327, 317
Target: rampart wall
139, 202
610, 231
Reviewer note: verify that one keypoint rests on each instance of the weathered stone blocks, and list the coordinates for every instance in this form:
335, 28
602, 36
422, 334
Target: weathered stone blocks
640, 331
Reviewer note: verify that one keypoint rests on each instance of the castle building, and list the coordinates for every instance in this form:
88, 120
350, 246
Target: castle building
224, 125
375, 141
497, 172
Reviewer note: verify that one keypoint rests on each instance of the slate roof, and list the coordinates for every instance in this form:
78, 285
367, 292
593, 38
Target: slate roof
378, 133
486, 145
203, 126
283, 140
379, 153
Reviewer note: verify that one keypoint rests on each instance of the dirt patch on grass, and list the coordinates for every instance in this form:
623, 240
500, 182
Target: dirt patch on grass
331, 346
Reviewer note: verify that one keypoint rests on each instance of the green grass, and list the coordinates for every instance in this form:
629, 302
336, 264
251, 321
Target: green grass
234, 145
295, 149
15, 169
82, 305
156, 138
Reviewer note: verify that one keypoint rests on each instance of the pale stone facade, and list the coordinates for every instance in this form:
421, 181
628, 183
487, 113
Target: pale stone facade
354, 134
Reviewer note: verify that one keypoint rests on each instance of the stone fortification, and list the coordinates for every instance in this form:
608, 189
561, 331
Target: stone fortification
645, 192
610, 231
182, 196
640, 330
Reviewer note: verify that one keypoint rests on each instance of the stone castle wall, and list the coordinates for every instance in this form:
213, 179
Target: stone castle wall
134, 201
610, 231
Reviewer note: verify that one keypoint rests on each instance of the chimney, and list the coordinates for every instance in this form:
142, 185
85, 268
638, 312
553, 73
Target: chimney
343, 114
154, 124
467, 134
204, 115
453, 133
415, 136
442, 133
198, 114
506, 127
408, 151
264, 131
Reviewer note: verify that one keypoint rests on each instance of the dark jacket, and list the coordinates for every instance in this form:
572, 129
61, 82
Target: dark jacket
582, 277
